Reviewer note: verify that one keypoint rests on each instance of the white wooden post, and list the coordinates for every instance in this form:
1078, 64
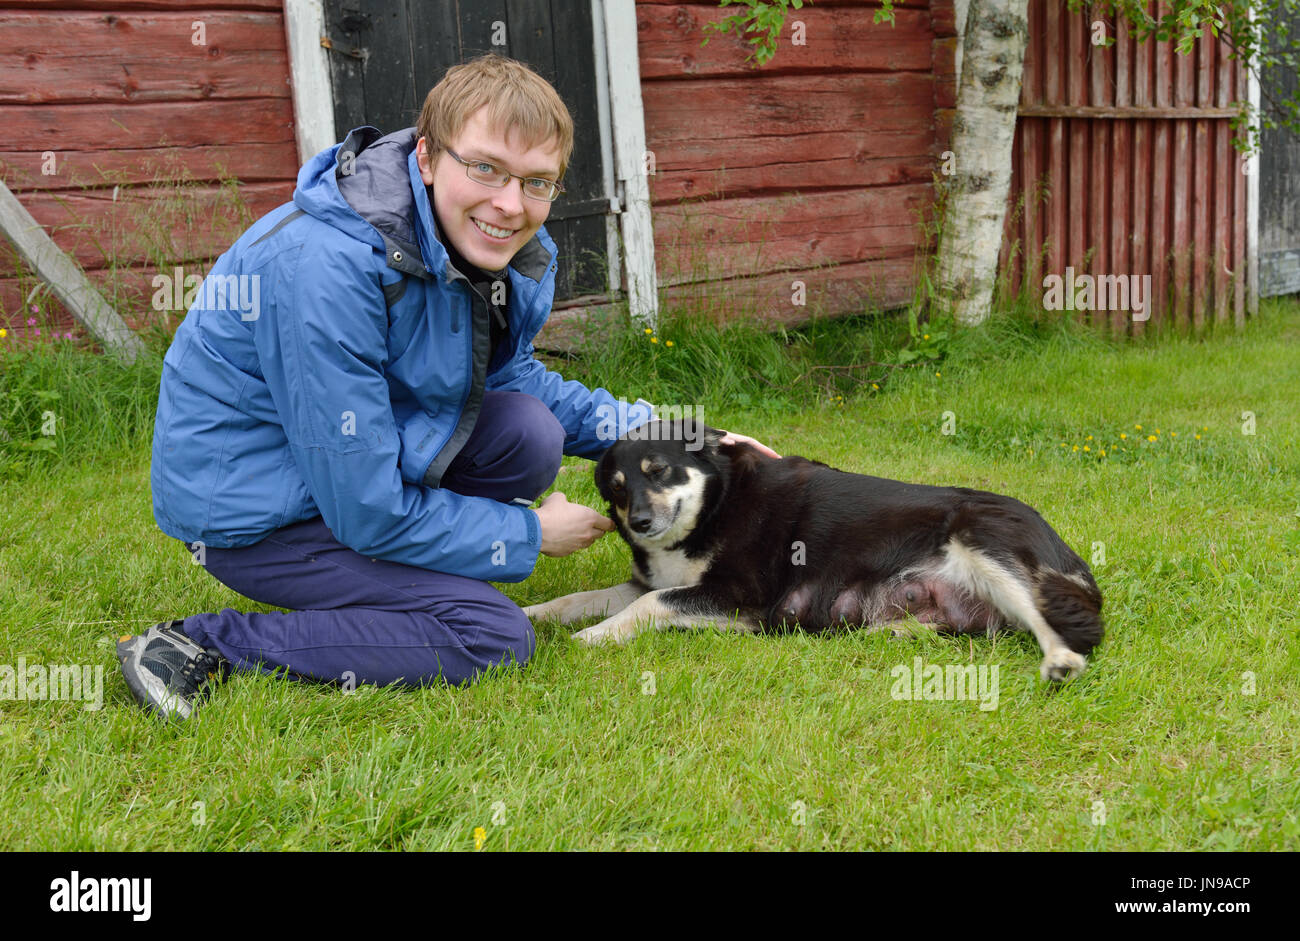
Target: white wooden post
630, 157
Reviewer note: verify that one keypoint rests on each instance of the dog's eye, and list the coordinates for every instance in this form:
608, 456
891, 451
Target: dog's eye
616, 486
656, 470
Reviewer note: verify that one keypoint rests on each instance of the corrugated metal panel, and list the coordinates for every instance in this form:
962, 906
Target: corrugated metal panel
1123, 165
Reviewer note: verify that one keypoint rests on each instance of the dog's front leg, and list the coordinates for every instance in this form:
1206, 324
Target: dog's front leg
586, 604
666, 607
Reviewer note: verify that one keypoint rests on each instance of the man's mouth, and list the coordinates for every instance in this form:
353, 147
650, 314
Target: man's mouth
494, 232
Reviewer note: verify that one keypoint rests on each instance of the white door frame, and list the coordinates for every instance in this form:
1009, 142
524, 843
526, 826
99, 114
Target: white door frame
309, 77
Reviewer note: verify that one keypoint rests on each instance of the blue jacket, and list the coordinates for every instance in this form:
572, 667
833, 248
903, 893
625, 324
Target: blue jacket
332, 364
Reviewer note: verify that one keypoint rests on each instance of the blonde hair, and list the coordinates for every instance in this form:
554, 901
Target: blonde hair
517, 99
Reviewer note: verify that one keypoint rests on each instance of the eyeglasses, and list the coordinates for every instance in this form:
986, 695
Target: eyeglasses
480, 171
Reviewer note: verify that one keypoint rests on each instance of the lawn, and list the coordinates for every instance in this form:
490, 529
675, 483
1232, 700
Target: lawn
1170, 464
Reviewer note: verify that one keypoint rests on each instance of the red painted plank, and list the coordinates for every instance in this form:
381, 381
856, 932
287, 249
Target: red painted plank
76, 167
743, 108
722, 166
670, 37
94, 127
744, 237
191, 223
135, 57
1140, 214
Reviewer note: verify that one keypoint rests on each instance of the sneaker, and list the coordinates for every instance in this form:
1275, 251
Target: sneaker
167, 673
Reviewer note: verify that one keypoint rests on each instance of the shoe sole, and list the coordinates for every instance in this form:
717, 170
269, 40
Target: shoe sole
152, 696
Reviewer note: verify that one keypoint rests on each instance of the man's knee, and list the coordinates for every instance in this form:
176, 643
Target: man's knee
532, 440
508, 640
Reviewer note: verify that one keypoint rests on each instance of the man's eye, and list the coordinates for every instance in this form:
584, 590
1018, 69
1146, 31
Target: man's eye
538, 183
485, 168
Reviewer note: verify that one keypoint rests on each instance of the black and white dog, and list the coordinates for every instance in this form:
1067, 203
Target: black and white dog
724, 535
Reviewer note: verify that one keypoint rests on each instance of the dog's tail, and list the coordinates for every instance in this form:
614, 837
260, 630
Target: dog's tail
1071, 604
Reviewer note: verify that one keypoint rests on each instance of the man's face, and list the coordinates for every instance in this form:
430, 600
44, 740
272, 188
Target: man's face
464, 207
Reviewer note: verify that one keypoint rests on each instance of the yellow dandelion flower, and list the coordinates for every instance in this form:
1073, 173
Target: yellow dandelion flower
1151, 437
1205, 428
926, 337
1086, 448
3, 333
1173, 434
1075, 448
876, 387
938, 374
1138, 427
1198, 437
1102, 452
668, 342
1124, 436
479, 836
1157, 431
1089, 438
654, 339
648, 331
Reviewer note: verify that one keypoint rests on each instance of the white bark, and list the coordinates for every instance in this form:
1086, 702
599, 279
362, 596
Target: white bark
984, 128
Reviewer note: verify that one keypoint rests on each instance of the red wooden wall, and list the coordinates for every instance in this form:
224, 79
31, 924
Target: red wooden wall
119, 94
1134, 146
817, 168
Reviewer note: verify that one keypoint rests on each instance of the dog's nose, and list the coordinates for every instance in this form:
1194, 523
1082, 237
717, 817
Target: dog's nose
640, 522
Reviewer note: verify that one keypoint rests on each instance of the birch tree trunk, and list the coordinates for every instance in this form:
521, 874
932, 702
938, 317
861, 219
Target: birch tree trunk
992, 62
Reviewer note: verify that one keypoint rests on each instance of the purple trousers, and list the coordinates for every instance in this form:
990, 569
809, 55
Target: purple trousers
361, 620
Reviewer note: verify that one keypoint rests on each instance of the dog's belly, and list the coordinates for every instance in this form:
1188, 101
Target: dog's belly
928, 598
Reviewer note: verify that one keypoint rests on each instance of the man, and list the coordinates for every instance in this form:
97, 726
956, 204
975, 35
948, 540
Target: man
363, 442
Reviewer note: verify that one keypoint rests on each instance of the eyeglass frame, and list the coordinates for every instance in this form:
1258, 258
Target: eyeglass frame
559, 187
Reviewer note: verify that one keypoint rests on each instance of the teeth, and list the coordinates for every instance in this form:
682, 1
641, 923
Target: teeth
494, 231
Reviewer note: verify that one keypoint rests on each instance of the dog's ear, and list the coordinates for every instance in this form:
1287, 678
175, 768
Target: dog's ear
604, 467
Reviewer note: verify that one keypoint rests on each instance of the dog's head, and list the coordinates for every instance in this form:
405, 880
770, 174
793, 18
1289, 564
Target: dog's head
659, 477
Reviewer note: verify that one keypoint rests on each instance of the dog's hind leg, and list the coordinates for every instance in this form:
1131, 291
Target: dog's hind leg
586, 604
666, 607
996, 584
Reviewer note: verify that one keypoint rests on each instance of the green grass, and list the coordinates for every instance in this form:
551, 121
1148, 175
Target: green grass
741, 735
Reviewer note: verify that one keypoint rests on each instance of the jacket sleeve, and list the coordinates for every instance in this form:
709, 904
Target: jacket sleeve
323, 357
592, 420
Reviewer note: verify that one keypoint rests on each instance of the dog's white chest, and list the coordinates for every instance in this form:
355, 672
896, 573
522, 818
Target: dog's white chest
672, 569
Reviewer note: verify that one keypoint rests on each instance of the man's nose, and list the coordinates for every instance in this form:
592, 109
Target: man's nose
510, 198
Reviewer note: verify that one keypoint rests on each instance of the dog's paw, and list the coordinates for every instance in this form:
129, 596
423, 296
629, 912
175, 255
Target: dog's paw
535, 612
601, 634
1061, 665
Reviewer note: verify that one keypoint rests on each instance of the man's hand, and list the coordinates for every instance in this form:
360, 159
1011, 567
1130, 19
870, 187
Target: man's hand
568, 527
730, 437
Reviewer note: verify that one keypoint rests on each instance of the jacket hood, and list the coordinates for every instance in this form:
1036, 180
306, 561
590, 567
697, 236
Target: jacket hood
366, 186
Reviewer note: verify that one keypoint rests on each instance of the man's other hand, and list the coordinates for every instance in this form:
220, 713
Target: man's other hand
568, 527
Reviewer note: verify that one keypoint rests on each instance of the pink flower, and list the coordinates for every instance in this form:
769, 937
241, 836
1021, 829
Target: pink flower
34, 309
31, 321
38, 331
68, 335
